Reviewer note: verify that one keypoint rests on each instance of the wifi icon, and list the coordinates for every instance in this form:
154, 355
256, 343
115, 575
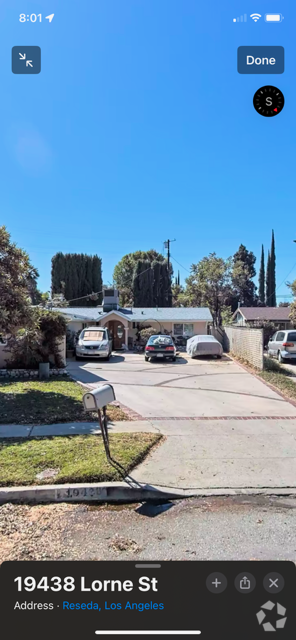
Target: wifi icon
255, 16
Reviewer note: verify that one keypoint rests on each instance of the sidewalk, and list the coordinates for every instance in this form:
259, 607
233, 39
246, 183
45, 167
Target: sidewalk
73, 428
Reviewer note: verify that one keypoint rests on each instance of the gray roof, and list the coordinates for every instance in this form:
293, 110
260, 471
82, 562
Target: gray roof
81, 313
170, 313
143, 314
265, 313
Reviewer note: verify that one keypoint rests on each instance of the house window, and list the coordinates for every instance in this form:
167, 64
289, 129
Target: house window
184, 330
188, 330
178, 329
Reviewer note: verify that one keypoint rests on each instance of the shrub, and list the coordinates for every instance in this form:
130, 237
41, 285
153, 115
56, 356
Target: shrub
146, 333
31, 346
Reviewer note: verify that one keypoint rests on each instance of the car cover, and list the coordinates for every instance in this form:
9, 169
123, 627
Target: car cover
203, 346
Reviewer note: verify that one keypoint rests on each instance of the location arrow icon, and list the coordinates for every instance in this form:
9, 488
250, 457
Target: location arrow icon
50, 17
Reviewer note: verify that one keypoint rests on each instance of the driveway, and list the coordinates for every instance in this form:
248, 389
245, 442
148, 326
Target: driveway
187, 388
223, 427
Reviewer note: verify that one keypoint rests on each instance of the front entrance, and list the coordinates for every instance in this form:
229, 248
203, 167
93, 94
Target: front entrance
116, 330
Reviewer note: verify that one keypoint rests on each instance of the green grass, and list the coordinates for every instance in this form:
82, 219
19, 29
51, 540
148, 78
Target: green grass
281, 380
76, 458
46, 402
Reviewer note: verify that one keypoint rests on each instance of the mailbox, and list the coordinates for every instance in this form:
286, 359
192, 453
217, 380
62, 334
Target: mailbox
98, 398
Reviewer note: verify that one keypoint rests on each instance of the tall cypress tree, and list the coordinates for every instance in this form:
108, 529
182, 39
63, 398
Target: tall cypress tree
267, 290
77, 276
262, 279
272, 272
143, 284
97, 281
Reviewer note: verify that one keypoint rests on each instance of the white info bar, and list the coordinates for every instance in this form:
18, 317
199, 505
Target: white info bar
273, 17
102, 632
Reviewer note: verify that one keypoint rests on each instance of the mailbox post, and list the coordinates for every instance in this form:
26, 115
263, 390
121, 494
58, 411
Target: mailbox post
97, 400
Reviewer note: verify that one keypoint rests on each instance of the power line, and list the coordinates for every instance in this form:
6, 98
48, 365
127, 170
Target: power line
96, 293
180, 265
284, 280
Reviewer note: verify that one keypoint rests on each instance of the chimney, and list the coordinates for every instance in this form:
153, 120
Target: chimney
110, 300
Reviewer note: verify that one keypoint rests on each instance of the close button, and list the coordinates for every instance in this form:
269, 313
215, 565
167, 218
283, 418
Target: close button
257, 60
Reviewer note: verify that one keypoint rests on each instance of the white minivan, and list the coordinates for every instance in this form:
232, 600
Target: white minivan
282, 345
94, 342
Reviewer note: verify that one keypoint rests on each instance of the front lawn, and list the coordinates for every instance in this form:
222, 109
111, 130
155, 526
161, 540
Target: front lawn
71, 459
47, 402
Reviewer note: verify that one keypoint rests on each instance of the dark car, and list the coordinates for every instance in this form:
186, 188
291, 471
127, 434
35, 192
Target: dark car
160, 347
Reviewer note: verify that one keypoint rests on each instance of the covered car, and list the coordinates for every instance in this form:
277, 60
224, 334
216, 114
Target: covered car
204, 346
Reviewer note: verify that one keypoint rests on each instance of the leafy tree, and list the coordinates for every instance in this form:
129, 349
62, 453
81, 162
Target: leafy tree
262, 279
209, 285
292, 286
226, 314
243, 270
16, 274
78, 277
124, 273
178, 292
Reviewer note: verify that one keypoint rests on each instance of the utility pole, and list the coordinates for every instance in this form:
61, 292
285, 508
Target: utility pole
167, 246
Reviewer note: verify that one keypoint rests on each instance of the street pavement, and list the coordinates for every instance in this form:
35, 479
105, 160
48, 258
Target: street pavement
236, 528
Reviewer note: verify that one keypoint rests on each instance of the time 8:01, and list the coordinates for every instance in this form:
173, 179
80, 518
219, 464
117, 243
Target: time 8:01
33, 17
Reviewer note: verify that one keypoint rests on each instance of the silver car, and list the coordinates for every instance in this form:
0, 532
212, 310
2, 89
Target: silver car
282, 345
204, 346
94, 342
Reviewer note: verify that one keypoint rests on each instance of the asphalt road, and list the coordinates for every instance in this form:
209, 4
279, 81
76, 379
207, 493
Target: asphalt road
246, 528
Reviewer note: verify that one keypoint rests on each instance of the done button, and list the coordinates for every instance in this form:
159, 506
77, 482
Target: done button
261, 60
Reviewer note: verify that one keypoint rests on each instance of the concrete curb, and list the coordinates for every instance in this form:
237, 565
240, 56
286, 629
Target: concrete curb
120, 492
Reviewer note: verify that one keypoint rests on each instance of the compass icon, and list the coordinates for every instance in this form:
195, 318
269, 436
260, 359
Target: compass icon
268, 101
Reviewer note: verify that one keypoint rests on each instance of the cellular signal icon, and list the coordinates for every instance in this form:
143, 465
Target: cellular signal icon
255, 16
241, 19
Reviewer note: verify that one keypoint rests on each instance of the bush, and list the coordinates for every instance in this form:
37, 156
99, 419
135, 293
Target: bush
31, 346
146, 333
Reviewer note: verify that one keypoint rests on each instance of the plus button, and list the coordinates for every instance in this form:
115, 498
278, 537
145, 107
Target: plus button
216, 583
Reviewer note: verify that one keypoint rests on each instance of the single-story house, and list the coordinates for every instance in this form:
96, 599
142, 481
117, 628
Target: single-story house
254, 316
124, 323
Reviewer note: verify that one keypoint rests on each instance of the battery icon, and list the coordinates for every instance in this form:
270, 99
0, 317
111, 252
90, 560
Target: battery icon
273, 17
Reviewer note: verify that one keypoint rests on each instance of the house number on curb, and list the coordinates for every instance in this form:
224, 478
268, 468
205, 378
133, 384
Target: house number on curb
83, 492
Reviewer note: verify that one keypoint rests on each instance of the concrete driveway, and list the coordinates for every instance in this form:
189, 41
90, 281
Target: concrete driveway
223, 427
186, 388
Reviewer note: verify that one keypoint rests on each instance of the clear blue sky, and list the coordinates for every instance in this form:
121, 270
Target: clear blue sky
140, 128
